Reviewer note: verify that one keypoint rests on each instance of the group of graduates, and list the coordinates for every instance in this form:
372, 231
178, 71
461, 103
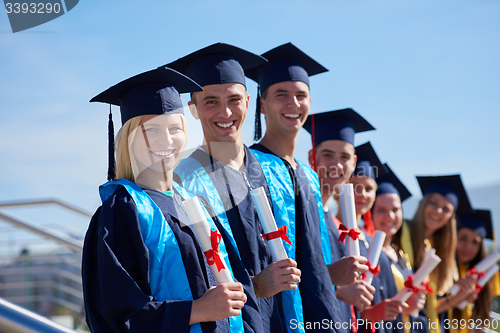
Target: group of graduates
144, 269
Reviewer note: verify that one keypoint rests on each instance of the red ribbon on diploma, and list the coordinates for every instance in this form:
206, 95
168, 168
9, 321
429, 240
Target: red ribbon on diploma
478, 289
374, 270
473, 271
409, 285
353, 233
427, 287
213, 255
280, 233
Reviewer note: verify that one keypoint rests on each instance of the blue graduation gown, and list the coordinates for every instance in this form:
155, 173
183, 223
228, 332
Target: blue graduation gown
318, 297
243, 230
116, 276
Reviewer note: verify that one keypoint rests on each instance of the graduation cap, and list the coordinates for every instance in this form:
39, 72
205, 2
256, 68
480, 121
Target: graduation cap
451, 187
336, 125
368, 163
217, 64
390, 183
479, 221
153, 92
285, 63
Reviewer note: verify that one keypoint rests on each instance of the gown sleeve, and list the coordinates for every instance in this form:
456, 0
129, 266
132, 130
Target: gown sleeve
115, 269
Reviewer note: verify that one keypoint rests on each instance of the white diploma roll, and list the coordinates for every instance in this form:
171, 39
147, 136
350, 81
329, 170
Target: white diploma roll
349, 217
203, 231
482, 282
480, 267
268, 223
420, 276
374, 253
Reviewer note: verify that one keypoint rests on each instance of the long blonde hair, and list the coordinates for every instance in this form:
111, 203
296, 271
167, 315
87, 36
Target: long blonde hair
125, 165
444, 240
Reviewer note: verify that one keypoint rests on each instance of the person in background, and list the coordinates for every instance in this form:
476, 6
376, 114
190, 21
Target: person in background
434, 226
143, 270
472, 230
387, 214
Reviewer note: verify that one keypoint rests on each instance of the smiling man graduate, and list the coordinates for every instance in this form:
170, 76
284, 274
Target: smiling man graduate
285, 101
219, 170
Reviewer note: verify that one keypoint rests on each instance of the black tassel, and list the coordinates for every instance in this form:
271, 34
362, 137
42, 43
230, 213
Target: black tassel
258, 125
111, 147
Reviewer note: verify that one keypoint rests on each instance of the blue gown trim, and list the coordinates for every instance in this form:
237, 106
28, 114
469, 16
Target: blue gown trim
312, 176
278, 178
189, 169
165, 258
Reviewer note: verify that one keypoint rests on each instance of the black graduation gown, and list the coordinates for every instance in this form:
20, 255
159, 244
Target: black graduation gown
318, 298
247, 230
115, 269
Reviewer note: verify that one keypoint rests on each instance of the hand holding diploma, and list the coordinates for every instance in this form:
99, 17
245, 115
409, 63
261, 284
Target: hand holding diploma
479, 270
482, 282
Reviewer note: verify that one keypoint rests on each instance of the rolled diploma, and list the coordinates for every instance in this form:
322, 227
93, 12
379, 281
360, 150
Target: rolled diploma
374, 253
349, 216
420, 276
428, 252
202, 229
268, 223
482, 282
481, 266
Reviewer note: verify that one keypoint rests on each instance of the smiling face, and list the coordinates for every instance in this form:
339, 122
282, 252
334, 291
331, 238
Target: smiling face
286, 106
335, 161
221, 108
437, 213
156, 145
468, 245
365, 189
387, 213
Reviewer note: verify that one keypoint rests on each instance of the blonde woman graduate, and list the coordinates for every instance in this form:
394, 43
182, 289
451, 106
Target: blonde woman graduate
143, 267
434, 226
387, 214
472, 230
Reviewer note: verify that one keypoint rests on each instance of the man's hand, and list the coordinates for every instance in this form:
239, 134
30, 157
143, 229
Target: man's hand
345, 271
280, 275
359, 294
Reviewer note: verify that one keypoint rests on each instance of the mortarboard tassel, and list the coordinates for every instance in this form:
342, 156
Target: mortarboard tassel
111, 147
369, 226
314, 144
258, 125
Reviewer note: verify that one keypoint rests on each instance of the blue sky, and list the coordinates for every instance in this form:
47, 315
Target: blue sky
425, 73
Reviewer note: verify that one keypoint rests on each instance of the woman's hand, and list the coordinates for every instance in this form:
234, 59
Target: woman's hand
415, 302
387, 310
219, 302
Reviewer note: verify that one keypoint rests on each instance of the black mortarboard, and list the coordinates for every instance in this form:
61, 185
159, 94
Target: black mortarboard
217, 64
368, 163
390, 183
450, 187
285, 63
336, 125
479, 221
153, 92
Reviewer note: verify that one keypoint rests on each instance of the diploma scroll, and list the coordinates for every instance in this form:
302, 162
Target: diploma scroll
482, 282
419, 278
268, 223
481, 267
209, 240
374, 255
349, 217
